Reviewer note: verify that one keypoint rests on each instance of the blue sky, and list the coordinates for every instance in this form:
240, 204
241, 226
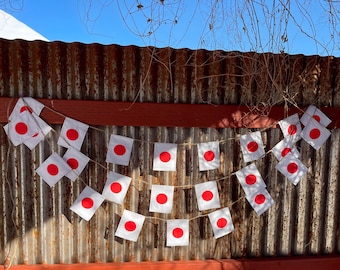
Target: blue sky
182, 24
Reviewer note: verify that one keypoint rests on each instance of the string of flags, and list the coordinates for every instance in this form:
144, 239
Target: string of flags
26, 127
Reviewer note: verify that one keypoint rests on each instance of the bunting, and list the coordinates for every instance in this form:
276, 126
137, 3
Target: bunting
26, 127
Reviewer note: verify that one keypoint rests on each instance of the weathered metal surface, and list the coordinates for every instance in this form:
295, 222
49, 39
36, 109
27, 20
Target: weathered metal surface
37, 225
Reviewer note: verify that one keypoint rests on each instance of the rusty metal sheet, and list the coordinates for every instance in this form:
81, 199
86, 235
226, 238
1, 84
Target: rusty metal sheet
37, 226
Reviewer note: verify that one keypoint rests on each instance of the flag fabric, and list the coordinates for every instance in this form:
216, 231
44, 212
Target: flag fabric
21, 128
119, 150
292, 168
177, 232
161, 198
72, 133
207, 195
291, 127
38, 137
260, 200
313, 112
26, 104
53, 169
130, 225
165, 156
77, 161
208, 156
315, 134
116, 187
87, 203
252, 146
221, 222
250, 179
285, 146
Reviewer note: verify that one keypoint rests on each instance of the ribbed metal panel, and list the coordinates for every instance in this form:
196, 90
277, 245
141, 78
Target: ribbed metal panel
37, 225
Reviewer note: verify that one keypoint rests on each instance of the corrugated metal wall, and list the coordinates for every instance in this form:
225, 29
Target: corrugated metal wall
37, 225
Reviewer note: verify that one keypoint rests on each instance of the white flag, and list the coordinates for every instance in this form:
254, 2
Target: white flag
250, 179
119, 150
313, 112
77, 161
26, 104
130, 225
165, 156
161, 198
252, 146
261, 201
285, 146
315, 134
53, 169
116, 187
72, 133
207, 195
291, 127
208, 156
292, 168
177, 232
221, 222
87, 203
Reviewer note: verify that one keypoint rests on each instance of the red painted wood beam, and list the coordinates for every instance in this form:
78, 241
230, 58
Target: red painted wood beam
116, 113
291, 263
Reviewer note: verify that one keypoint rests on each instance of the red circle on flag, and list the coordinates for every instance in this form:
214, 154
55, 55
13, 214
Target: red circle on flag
165, 156
119, 150
26, 108
161, 198
292, 129
221, 223
73, 163
87, 203
21, 128
72, 134
209, 155
252, 146
207, 195
177, 232
130, 226
292, 167
116, 187
260, 199
52, 169
251, 179
314, 133
316, 117
285, 151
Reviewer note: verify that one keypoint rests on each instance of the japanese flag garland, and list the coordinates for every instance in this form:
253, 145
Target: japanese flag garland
26, 127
